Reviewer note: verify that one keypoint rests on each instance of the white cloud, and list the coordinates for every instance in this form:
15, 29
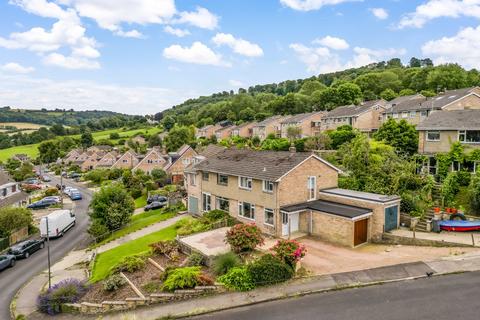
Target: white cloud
70, 62
202, 18
14, 67
365, 56
464, 48
235, 83
27, 92
332, 43
238, 45
176, 31
433, 9
198, 53
129, 34
379, 13
307, 5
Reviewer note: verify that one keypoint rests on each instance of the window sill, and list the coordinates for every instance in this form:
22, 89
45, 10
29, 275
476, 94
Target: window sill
246, 218
269, 225
266, 191
248, 189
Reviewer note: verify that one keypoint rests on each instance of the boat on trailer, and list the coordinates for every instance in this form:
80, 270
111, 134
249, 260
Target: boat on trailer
460, 225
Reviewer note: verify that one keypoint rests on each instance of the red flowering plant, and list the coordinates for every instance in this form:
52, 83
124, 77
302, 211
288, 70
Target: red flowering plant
289, 251
244, 237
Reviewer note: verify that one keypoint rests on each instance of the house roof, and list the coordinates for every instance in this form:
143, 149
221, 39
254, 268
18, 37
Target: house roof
269, 120
451, 120
14, 198
334, 208
402, 99
299, 117
264, 165
211, 150
228, 127
360, 195
5, 178
243, 125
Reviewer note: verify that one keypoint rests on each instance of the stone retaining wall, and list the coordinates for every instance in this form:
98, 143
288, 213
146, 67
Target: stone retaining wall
408, 241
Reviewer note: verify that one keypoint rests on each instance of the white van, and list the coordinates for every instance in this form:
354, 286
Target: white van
59, 222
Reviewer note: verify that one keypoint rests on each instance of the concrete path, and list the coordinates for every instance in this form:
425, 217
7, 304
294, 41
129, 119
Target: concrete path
138, 234
464, 238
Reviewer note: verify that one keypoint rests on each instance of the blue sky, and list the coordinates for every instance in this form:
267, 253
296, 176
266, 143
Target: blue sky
142, 56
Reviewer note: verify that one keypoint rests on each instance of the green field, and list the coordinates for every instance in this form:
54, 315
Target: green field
32, 149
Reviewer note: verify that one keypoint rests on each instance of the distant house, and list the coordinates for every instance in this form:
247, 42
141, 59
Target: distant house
223, 132
306, 122
178, 161
365, 117
107, 161
92, 160
128, 160
21, 157
10, 192
207, 131
271, 125
244, 130
99, 148
418, 108
153, 160
72, 156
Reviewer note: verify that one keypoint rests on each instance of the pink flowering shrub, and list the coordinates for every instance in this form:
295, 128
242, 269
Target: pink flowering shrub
290, 251
244, 237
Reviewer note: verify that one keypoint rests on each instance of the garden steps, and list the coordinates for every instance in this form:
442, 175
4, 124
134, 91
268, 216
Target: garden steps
422, 224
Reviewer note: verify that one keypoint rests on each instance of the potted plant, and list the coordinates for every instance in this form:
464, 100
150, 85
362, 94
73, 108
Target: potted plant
436, 210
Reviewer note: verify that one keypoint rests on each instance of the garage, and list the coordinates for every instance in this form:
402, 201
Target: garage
360, 232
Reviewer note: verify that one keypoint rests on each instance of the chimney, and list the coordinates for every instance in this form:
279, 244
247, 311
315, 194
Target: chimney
292, 148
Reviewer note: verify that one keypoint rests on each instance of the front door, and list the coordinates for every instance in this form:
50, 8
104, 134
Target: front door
290, 223
294, 222
284, 224
391, 218
360, 232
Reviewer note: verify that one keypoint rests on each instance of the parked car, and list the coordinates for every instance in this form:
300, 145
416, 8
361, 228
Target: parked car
32, 181
59, 222
31, 187
42, 204
155, 197
156, 205
75, 195
74, 175
6, 261
57, 199
26, 248
45, 178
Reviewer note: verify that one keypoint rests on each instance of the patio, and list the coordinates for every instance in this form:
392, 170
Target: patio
210, 243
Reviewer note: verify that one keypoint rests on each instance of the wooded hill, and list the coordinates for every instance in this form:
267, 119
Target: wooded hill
386, 79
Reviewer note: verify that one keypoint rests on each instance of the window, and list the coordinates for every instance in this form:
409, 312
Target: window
4, 192
14, 188
186, 161
469, 136
311, 186
223, 204
193, 179
222, 179
395, 115
267, 186
413, 114
246, 210
404, 114
125, 160
205, 176
423, 113
433, 135
269, 216
206, 202
245, 183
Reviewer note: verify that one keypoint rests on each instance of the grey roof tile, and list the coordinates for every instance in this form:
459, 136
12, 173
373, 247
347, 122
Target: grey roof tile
452, 120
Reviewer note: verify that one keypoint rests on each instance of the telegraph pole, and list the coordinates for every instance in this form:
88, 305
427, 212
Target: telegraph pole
48, 255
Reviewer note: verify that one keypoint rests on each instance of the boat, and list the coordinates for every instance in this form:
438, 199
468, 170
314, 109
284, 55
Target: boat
459, 225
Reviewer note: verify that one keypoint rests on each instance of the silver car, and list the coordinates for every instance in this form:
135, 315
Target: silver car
6, 261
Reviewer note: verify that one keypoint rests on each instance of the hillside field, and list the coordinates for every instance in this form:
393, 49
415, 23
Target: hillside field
21, 125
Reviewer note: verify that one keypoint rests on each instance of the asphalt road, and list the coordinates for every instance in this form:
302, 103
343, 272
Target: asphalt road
440, 298
13, 278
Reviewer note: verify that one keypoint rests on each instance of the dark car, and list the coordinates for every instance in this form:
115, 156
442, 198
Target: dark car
32, 181
156, 205
26, 248
42, 204
74, 175
156, 197
6, 261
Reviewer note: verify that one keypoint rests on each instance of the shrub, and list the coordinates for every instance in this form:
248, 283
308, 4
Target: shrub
114, 282
205, 280
136, 192
216, 216
269, 269
66, 291
289, 251
189, 226
152, 287
244, 237
98, 230
168, 247
195, 259
182, 278
474, 194
224, 262
130, 264
408, 203
450, 188
50, 192
237, 278
463, 178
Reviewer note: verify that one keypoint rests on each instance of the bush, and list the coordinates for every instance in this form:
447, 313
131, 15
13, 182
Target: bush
289, 251
237, 278
189, 226
450, 188
224, 262
244, 237
408, 203
463, 178
182, 278
167, 247
98, 230
205, 280
474, 194
130, 264
50, 192
114, 282
136, 192
66, 291
269, 269
195, 259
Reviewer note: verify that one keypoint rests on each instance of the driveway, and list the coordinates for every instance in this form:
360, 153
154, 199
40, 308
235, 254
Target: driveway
326, 258
12, 279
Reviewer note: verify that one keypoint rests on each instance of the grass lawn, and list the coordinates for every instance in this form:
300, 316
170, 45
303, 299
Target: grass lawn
140, 221
30, 149
106, 260
141, 202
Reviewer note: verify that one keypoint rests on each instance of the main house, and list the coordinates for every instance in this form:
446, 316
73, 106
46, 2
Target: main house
365, 117
306, 122
10, 192
287, 192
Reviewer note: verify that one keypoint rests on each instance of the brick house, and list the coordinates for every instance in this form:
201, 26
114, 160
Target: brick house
10, 192
268, 126
418, 108
153, 160
305, 121
178, 161
99, 148
72, 155
441, 129
365, 117
223, 132
207, 131
127, 161
244, 130
107, 161
286, 193
91, 161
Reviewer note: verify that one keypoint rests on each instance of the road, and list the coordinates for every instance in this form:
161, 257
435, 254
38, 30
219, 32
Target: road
12, 279
440, 298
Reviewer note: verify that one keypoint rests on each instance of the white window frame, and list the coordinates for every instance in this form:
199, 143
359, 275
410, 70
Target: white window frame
205, 176
217, 203
464, 133
193, 179
265, 210
206, 206
433, 131
265, 185
413, 114
241, 212
404, 114
248, 181
312, 189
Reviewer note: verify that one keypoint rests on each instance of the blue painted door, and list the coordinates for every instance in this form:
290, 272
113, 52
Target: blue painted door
391, 218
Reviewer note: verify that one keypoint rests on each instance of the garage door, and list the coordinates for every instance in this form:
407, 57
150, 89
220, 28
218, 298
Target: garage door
361, 232
193, 205
391, 218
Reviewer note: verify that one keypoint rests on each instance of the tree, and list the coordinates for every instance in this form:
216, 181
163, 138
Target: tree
474, 194
310, 86
112, 205
58, 129
168, 122
341, 135
12, 218
86, 139
178, 136
447, 77
349, 93
114, 136
159, 176
48, 152
388, 94
414, 63
154, 141
294, 132
400, 135
406, 92
247, 114
325, 99
318, 142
